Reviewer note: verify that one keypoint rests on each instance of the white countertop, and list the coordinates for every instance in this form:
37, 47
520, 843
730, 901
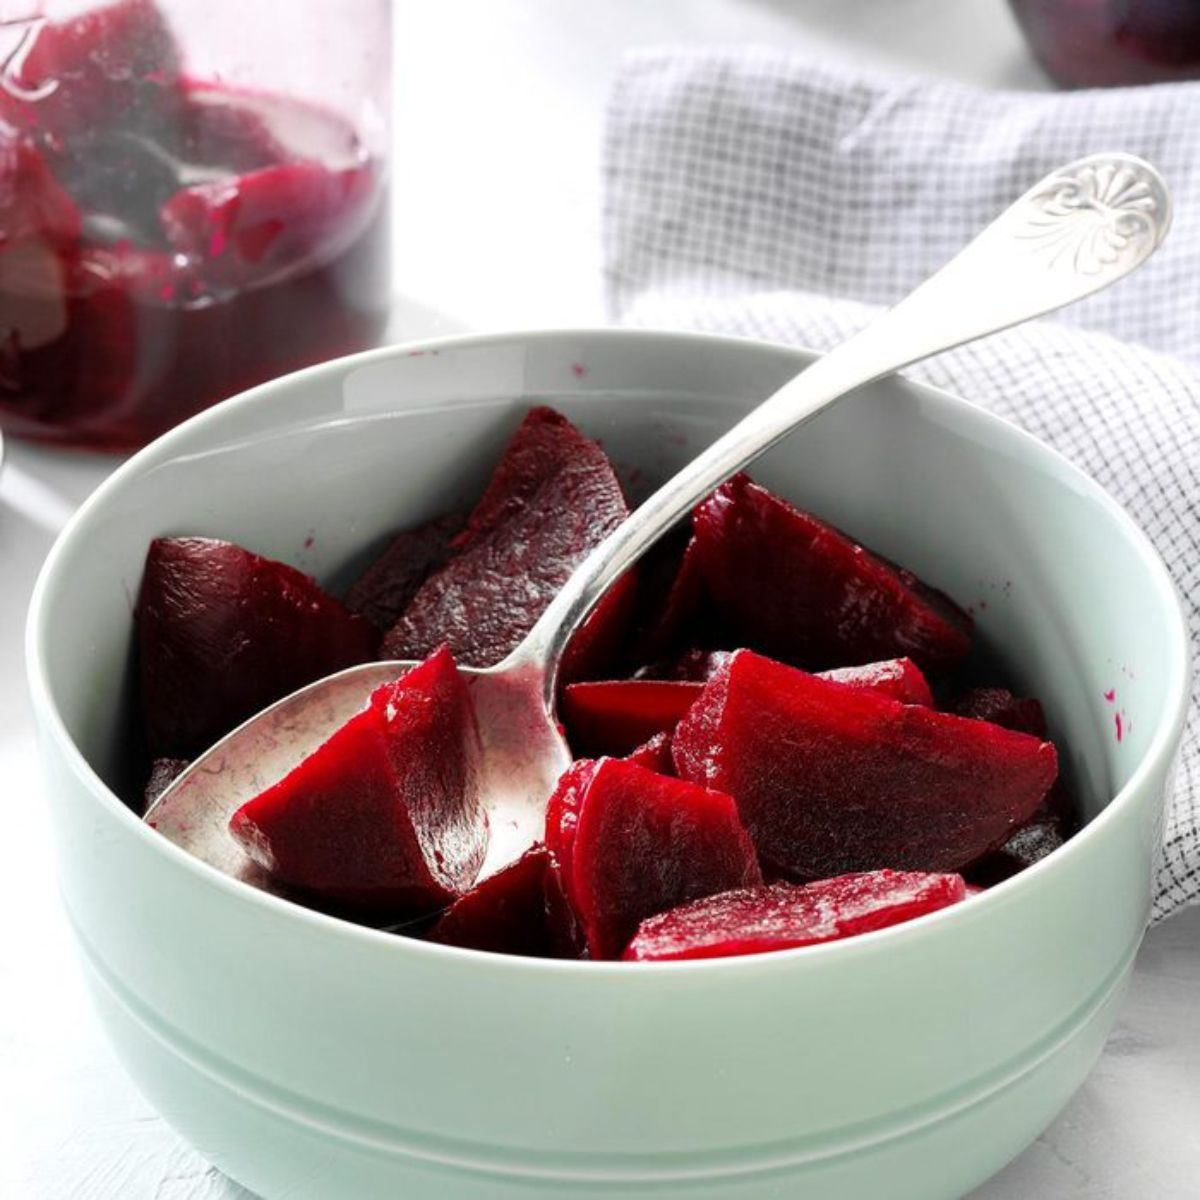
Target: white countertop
499, 105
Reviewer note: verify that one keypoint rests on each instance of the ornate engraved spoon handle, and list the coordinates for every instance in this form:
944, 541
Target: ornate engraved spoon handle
1078, 230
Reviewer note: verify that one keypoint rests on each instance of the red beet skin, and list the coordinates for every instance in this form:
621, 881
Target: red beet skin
830, 779
793, 587
387, 586
505, 913
781, 917
385, 816
552, 498
222, 633
616, 716
626, 843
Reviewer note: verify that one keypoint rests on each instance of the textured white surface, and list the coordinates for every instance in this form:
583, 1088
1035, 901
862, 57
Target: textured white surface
499, 104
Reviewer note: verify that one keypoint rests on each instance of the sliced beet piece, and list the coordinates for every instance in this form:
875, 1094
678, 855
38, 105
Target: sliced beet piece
387, 586
626, 843
654, 755
796, 588
163, 773
782, 917
505, 913
615, 716
830, 779
999, 706
114, 62
223, 632
553, 497
277, 217
385, 816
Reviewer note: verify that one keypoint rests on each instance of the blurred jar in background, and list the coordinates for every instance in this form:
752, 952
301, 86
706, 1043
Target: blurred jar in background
1101, 43
192, 200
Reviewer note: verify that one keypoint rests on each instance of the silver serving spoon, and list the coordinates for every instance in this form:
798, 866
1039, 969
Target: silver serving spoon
1078, 230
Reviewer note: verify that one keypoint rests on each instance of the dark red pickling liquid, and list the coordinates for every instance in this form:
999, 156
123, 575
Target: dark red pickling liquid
1101, 43
219, 238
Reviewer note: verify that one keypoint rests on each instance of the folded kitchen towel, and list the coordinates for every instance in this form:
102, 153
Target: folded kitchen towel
787, 197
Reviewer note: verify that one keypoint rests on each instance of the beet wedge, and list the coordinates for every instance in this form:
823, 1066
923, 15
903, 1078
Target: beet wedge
223, 632
626, 843
830, 779
782, 917
553, 497
793, 587
616, 716
505, 913
385, 817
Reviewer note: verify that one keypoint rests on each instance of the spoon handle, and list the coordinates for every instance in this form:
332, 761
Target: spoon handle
1081, 228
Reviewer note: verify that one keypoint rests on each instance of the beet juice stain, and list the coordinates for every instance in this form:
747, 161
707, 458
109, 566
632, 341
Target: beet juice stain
166, 242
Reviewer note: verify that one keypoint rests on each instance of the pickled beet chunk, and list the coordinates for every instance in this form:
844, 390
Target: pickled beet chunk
626, 843
614, 717
795, 588
116, 62
222, 633
385, 817
830, 779
387, 586
504, 913
782, 916
281, 216
163, 773
999, 706
552, 498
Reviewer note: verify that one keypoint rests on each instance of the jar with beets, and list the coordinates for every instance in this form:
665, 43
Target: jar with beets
1102, 43
193, 199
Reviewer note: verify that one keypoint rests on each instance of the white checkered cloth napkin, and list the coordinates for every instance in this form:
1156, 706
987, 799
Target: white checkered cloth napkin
783, 197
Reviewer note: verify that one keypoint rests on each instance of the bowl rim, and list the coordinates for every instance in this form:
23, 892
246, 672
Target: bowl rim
1157, 755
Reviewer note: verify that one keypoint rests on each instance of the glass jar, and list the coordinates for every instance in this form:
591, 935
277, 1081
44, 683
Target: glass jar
193, 199
1100, 43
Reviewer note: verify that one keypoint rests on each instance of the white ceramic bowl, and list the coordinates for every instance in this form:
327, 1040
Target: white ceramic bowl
310, 1058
